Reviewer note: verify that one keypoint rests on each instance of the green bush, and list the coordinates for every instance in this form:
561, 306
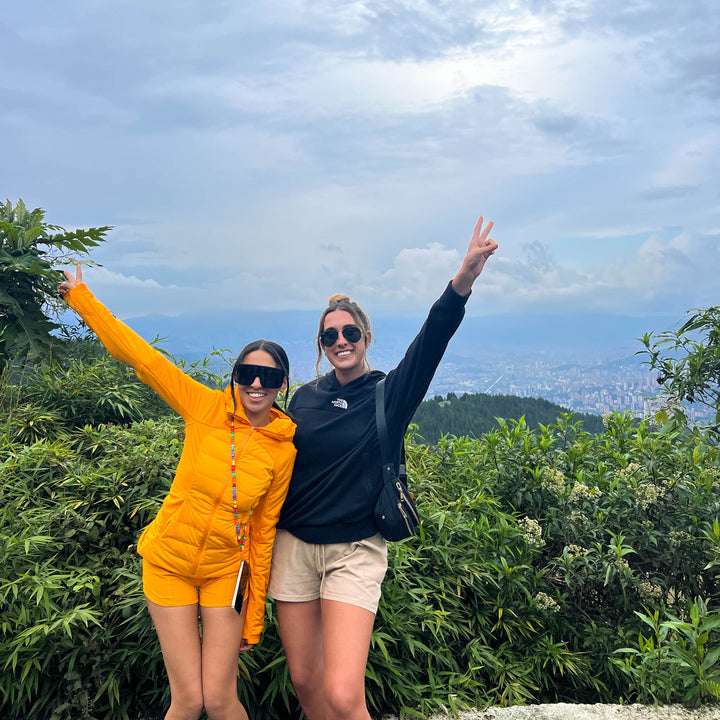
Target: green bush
466, 619
551, 565
625, 522
48, 400
674, 663
76, 641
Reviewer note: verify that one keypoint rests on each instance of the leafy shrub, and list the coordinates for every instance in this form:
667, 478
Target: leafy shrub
542, 554
464, 620
688, 365
92, 392
76, 640
673, 663
625, 518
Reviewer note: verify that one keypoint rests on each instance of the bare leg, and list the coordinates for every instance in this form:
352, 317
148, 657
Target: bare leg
327, 643
346, 641
301, 633
222, 637
177, 630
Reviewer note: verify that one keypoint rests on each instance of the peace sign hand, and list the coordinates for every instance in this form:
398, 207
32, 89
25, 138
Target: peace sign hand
480, 249
72, 280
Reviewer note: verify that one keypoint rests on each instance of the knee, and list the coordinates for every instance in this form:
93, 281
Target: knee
344, 701
222, 703
307, 680
186, 705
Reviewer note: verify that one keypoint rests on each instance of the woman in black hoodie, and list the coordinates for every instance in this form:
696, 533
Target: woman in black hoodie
329, 559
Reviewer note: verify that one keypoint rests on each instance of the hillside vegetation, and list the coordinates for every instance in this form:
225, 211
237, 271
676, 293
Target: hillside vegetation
473, 414
552, 564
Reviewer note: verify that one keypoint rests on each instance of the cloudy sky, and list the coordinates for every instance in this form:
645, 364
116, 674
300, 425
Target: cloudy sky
269, 154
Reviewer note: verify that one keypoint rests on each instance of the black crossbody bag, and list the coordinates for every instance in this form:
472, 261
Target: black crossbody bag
395, 513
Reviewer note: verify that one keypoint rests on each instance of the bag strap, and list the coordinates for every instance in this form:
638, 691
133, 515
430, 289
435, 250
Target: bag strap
385, 453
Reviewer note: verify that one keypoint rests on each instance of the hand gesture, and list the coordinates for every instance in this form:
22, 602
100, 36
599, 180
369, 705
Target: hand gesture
480, 249
72, 280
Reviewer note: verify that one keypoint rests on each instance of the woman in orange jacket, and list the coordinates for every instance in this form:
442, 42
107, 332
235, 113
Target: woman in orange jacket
219, 515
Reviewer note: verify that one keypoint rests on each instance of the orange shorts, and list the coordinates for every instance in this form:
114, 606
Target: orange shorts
172, 590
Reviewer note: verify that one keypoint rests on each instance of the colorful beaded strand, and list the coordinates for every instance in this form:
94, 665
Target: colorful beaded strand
240, 538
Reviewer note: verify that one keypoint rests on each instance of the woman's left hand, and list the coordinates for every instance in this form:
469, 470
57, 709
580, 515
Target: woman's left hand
71, 280
245, 645
480, 249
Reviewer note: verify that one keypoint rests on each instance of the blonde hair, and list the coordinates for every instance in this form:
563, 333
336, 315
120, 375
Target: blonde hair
343, 302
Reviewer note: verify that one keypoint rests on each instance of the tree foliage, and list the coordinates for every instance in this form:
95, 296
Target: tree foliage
473, 414
688, 364
29, 248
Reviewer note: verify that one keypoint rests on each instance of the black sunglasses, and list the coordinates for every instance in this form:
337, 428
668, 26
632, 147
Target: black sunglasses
352, 333
270, 377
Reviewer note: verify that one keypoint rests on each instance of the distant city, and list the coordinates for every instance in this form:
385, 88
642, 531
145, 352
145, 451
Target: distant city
615, 385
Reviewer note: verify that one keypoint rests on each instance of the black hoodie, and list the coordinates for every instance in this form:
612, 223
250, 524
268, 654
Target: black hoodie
338, 472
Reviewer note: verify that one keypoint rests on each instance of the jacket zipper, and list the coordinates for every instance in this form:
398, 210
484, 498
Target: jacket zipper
216, 505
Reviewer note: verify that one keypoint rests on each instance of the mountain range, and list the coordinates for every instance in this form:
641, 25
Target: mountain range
576, 338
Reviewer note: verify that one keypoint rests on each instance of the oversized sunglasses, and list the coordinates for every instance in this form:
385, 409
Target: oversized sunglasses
352, 333
270, 377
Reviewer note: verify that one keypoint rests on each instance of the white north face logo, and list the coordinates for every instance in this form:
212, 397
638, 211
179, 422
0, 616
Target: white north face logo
340, 403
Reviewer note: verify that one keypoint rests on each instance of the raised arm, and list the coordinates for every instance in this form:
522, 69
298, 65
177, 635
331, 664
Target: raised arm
409, 381
185, 395
480, 249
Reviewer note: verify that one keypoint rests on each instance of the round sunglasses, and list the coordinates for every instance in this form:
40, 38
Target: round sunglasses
270, 377
352, 333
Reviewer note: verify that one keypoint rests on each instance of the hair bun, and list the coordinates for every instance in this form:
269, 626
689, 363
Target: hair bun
337, 299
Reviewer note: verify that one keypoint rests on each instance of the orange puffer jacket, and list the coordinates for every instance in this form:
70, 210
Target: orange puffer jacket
194, 532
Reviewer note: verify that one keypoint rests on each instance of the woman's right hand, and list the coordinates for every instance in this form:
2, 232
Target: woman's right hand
72, 280
480, 249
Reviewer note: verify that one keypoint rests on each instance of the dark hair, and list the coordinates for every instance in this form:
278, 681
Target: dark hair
343, 302
275, 351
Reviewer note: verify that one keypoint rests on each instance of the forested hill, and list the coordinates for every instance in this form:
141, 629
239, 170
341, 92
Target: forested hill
474, 414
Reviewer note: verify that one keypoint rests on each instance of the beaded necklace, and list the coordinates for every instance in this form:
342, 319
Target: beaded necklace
241, 538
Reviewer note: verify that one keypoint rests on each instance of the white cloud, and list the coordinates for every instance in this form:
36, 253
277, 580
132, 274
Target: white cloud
663, 276
284, 151
130, 296
416, 276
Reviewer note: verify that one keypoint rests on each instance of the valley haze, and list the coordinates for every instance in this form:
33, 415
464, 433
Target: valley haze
585, 362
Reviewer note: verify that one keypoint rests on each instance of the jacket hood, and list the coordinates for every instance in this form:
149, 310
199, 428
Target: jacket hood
280, 427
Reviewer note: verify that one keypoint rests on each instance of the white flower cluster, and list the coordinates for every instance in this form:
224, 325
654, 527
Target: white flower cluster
674, 597
580, 492
532, 532
714, 473
553, 480
646, 494
648, 590
577, 518
680, 537
545, 602
623, 568
627, 472
576, 551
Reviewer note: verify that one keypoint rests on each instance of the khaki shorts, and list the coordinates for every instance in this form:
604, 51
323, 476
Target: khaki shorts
348, 572
171, 590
